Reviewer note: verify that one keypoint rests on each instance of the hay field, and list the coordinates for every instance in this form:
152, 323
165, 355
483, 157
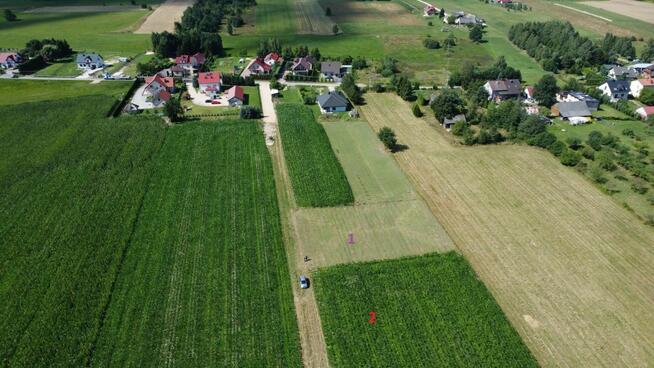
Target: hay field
165, 16
311, 18
631, 8
572, 270
389, 220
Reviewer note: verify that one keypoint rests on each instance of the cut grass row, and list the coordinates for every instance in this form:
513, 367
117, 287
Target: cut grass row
430, 311
22, 91
318, 178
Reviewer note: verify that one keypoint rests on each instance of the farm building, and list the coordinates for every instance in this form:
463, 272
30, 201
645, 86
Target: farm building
499, 90
615, 89
10, 60
574, 112
210, 83
574, 96
636, 87
235, 96
646, 112
89, 61
332, 101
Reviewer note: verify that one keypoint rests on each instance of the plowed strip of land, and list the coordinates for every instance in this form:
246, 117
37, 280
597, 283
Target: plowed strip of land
572, 270
631, 8
165, 16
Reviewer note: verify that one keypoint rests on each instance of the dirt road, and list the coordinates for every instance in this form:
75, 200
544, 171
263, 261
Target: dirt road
165, 16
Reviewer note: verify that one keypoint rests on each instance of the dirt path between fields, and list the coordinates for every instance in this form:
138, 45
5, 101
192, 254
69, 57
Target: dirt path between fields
631, 8
165, 16
312, 340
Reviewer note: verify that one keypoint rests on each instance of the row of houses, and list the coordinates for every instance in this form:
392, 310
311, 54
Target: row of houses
300, 66
464, 19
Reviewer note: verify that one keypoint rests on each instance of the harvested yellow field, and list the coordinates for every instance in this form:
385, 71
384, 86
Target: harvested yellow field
572, 269
632, 8
165, 16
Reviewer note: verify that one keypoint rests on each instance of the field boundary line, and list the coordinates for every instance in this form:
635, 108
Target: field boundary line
121, 261
584, 12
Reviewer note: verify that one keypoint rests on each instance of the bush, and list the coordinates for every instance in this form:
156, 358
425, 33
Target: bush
416, 110
430, 43
557, 148
309, 99
570, 157
387, 136
597, 174
588, 153
639, 186
647, 96
595, 140
250, 112
574, 143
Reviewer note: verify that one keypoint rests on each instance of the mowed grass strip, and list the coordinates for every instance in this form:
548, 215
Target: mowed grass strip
317, 176
205, 282
430, 311
71, 186
22, 91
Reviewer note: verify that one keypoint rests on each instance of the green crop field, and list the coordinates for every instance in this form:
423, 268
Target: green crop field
72, 184
205, 280
107, 33
22, 91
317, 176
430, 311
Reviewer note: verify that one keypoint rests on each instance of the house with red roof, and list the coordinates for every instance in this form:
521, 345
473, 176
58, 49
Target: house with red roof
10, 60
190, 62
272, 59
235, 96
637, 86
529, 92
646, 112
210, 83
259, 67
159, 89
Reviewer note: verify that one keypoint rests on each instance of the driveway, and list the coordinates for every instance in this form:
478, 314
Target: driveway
199, 98
269, 113
140, 100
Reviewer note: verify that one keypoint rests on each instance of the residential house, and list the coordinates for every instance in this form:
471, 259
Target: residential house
503, 1
89, 61
575, 113
529, 92
210, 83
448, 123
431, 10
641, 68
174, 71
190, 62
131, 108
622, 73
503, 89
259, 67
10, 60
468, 19
302, 65
235, 96
615, 89
158, 89
646, 112
331, 70
637, 86
574, 96
332, 101
272, 58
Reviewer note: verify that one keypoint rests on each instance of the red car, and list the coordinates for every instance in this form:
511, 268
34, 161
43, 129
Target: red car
215, 102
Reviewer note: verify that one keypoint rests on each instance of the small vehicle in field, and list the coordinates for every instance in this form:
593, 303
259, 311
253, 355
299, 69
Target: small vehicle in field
304, 282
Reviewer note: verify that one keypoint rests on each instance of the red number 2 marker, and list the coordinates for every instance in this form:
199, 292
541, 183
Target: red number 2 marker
373, 318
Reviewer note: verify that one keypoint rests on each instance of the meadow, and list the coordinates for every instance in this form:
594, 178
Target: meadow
430, 311
107, 33
205, 280
72, 185
317, 176
571, 268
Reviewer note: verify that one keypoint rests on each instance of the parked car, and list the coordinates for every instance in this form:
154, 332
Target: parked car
304, 282
208, 101
215, 102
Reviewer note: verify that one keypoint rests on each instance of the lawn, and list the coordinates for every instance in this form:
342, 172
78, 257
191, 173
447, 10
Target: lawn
60, 69
571, 268
430, 311
388, 220
317, 176
20, 4
205, 280
22, 91
106, 33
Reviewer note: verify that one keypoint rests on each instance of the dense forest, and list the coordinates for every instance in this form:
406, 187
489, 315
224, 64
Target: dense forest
199, 27
558, 46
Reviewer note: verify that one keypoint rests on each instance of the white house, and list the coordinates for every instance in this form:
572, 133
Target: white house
332, 101
259, 67
158, 89
645, 112
89, 61
272, 59
190, 62
615, 90
210, 83
637, 86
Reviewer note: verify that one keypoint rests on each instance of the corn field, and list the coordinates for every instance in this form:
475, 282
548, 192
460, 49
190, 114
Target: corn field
430, 311
316, 174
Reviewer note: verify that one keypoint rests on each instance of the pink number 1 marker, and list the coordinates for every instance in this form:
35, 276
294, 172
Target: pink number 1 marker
350, 238
373, 318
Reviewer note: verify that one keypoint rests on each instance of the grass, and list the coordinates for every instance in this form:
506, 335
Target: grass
206, 269
60, 69
388, 220
72, 184
273, 18
311, 18
38, 3
317, 176
106, 33
430, 311
561, 258
22, 91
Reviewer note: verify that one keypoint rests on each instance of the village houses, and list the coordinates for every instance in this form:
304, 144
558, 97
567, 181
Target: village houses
210, 83
637, 86
615, 90
158, 89
90, 61
10, 60
503, 89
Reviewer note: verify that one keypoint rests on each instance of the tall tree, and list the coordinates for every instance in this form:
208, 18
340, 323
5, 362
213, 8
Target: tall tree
545, 90
647, 54
10, 16
448, 104
476, 33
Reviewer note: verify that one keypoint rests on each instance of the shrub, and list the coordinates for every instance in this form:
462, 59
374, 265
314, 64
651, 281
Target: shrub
597, 174
557, 148
430, 43
250, 112
574, 143
416, 110
588, 153
570, 157
387, 136
639, 186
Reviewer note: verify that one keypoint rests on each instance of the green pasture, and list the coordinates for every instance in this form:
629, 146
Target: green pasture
22, 91
429, 311
23, 4
60, 69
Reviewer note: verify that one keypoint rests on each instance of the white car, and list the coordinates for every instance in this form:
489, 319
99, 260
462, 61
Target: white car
304, 282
